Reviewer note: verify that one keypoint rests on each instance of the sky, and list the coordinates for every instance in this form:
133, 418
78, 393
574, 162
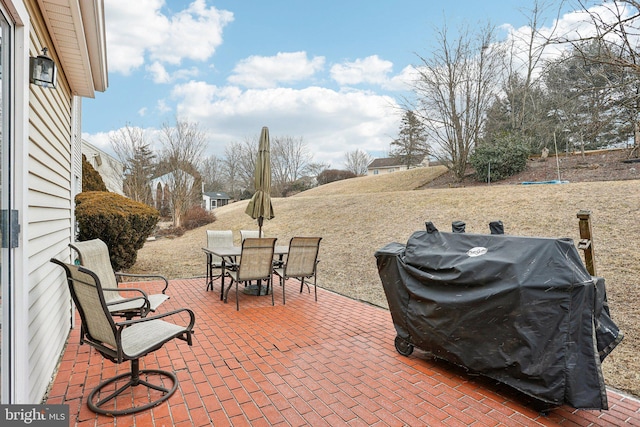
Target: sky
333, 73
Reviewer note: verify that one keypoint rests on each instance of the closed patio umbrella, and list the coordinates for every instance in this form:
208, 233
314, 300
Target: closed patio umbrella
259, 206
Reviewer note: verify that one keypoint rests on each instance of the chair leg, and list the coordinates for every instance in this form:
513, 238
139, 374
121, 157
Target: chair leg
225, 293
209, 273
270, 285
315, 287
237, 301
282, 281
134, 381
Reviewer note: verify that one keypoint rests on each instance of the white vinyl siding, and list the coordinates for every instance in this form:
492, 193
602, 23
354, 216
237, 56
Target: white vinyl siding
49, 221
45, 141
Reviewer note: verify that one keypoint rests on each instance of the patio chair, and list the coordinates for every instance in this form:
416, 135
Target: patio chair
254, 234
216, 238
127, 340
301, 263
256, 263
94, 255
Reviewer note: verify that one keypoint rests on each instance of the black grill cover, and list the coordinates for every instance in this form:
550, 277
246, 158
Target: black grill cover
521, 310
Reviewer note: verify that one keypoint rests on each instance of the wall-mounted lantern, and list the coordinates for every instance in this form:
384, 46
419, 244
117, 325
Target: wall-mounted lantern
42, 70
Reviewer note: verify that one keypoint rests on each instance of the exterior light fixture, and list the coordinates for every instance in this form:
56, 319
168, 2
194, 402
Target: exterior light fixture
43, 70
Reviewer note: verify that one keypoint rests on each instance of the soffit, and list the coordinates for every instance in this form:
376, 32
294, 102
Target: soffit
78, 35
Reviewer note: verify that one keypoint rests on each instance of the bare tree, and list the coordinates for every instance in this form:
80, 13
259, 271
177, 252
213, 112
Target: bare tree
212, 173
233, 173
289, 159
357, 161
138, 160
247, 164
454, 89
183, 145
315, 169
525, 50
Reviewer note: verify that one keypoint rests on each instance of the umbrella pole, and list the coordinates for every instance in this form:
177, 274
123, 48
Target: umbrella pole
260, 220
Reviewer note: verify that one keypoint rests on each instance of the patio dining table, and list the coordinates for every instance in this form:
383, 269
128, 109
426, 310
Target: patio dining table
229, 254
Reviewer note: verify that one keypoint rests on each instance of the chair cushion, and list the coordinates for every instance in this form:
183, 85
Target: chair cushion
133, 305
140, 338
156, 299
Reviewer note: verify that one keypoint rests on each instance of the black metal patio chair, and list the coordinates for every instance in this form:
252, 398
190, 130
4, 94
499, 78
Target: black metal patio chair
127, 340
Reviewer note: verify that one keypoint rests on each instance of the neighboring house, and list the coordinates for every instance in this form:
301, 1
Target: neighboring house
212, 200
390, 164
111, 170
161, 186
41, 164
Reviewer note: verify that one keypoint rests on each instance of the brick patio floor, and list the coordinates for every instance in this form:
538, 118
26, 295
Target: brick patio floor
330, 363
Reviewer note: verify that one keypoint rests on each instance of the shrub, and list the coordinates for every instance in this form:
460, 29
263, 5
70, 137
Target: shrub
332, 175
499, 159
170, 232
123, 224
297, 186
197, 217
91, 179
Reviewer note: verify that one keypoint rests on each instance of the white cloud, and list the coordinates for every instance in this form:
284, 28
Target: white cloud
100, 140
162, 107
371, 70
330, 122
404, 81
158, 73
192, 33
269, 71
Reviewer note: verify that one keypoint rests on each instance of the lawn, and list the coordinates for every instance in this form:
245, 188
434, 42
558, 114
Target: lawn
358, 216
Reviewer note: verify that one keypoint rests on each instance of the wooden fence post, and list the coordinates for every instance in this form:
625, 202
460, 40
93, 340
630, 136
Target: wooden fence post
586, 241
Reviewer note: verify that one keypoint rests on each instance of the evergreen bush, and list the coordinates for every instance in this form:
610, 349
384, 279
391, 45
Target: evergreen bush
91, 179
499, 159
123, 224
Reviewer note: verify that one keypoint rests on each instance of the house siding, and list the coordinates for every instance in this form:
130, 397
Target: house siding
48, 226
110, 169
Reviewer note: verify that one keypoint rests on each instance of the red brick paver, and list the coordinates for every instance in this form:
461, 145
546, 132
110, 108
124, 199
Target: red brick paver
306, 363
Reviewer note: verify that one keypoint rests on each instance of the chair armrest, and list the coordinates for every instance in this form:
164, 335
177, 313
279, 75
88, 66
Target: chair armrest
144, 294
144, 308
231, 264
144, 276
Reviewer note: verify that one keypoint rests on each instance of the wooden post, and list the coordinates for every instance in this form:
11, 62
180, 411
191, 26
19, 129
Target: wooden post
586, 241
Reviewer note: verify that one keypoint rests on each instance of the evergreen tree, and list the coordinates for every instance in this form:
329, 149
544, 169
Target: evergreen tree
138, 172
585, 97
411, 145
135, 153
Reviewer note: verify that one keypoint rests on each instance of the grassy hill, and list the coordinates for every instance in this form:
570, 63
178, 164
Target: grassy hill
358, 216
